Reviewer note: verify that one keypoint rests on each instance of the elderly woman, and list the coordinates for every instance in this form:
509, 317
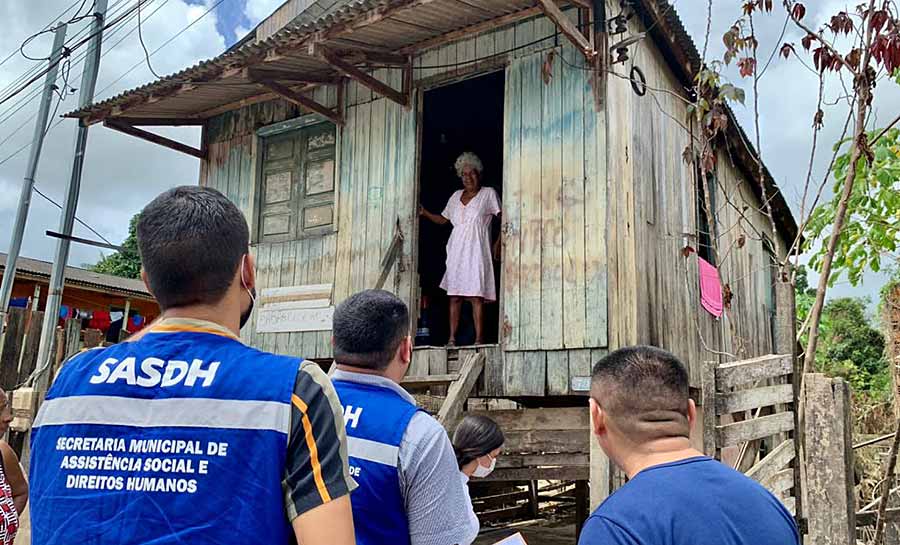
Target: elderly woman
470, 269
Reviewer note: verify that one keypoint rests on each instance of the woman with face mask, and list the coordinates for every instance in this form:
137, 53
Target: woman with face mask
477, 441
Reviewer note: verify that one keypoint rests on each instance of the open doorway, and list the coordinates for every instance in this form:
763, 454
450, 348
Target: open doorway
464, 116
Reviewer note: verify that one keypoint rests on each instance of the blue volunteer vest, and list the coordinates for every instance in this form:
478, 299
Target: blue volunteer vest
376, 419
180, 437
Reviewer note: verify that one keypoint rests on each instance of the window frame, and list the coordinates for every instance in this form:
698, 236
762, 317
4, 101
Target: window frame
299, 200
706, 251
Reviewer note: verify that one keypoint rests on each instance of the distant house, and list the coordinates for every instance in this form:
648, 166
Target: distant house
85, 291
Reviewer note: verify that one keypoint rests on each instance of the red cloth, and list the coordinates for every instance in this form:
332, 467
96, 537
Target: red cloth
710, 288
100, 320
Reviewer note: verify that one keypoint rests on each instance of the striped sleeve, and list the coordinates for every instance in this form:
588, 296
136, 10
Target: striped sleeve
316, 469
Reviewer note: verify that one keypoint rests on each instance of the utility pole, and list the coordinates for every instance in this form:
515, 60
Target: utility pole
40, 130
67, 220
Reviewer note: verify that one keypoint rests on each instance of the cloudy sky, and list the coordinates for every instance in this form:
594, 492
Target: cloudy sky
122, 173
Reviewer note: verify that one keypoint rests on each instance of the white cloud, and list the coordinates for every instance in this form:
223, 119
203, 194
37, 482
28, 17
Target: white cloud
121, 173
257, 10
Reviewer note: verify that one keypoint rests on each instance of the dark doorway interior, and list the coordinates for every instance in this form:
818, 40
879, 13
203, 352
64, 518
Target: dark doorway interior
465, 116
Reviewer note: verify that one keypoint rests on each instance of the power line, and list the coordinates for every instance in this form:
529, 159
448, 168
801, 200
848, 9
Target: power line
88, 227
143, 45
73, 48
48, 25
18, 106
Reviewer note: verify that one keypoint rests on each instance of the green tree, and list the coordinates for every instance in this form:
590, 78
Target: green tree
849, 346
126, 263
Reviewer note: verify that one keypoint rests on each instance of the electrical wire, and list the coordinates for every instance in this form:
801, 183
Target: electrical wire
76, 18
48, 25
143, 45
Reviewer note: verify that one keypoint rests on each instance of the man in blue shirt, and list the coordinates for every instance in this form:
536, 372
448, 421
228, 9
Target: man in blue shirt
642, 417
410, 488
184, 434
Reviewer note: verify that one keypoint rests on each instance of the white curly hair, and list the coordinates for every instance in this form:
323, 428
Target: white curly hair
468, 159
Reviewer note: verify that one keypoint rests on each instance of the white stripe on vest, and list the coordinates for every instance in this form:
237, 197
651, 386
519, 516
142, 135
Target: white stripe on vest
170, 412
373, 451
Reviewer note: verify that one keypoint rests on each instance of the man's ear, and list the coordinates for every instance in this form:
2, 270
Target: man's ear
146, 282
598, 418
405, 350
691, 413
248, 270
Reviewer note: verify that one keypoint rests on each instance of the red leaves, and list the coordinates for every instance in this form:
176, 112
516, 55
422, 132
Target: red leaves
747, 66
727, 295
787, 49
807, 41
742, 240
687, 251
841, 23
886, 50
798, 11
824, 59
688, 155
878, 20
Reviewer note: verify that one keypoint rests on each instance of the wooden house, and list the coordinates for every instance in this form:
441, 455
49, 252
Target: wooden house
328, 125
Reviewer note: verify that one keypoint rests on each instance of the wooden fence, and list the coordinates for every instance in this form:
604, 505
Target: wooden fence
748, 406
18, 362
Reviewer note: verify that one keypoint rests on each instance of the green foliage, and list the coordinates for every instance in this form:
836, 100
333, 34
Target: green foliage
126, 263
849, 346
872, 227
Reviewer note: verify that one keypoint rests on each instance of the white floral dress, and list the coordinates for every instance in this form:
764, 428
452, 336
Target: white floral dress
470, 268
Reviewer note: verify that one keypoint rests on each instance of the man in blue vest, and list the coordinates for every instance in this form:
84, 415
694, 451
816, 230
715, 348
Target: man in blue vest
410, 491
185, 435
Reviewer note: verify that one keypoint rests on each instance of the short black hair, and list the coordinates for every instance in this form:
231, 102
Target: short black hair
368, 327
476, 436
191, 240
645, 389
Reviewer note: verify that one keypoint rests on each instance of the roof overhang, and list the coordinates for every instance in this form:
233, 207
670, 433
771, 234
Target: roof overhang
346, 44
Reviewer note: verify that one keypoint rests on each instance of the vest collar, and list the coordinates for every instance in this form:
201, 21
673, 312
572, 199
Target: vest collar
178, 325
373, 380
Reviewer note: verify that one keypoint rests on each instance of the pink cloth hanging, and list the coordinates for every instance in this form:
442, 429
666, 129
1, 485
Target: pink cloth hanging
710, 288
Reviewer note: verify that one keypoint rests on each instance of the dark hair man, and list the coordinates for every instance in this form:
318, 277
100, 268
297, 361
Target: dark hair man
409, 486
642, 417
185, 435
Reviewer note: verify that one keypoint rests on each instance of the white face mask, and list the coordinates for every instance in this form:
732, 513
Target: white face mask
482, 472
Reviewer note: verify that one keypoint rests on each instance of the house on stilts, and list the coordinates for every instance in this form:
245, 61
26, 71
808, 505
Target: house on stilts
331, 122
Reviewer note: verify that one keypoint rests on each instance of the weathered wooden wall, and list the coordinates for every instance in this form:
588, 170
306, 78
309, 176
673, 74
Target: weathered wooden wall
654, 288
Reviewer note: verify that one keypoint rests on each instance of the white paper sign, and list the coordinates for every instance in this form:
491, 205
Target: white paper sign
515, 539
291, 320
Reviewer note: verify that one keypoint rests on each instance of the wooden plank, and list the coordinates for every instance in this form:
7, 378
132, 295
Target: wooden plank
707, 407
780, 482
154, 138
294, 97
390, 258
791, 505
491, 383
478, 29
392, 247
828, 460
345, 212
511, 324
532, 460
12, 348
361, 163
546, 441
571, 473
437, 362
364, 78
459, 390
568, 29
729, 375
418, 367
756, 428
572, 200
374, 187
778, 458
868, 518
580, 366
28, 363
530, 293
311, 266
543, 419
429, 380
744, 400
558, 372
73, 342
595, 217
550, 201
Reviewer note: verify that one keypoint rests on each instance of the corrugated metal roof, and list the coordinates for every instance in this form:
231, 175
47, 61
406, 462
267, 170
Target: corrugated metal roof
379, 25
80, 277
